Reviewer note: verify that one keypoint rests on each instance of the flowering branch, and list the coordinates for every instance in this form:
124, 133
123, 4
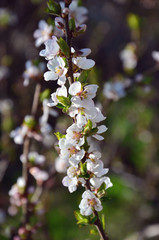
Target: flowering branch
77, 155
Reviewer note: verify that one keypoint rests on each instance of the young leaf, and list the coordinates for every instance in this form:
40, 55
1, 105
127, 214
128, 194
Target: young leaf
64, 47
87, 128
83, 77
65, 101
92, 132
72, 24
82, 220
83, 168
59, 135
54, 7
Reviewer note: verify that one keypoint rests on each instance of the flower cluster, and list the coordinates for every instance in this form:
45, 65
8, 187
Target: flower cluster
77, 157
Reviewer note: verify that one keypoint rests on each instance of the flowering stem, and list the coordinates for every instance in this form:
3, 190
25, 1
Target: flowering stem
97, 222
69, 42
26, 148
99, 227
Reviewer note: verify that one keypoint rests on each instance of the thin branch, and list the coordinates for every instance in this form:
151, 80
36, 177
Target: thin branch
26, 149
69, 42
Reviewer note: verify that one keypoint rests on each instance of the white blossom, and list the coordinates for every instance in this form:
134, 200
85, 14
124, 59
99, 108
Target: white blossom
57, 71
32, 71
97, 182
101, 129
62, 91
88, 203
71, 152
114, 90
38, 174
83, 62
76, 12
51, 49
33, 157
128, 56
61, 164
43, 33
74, 135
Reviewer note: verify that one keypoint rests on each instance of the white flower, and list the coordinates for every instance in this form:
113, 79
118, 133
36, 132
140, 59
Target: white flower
19, 133
62, 91
101, 129
59, 23
83, 62
33, 157
128, 56
76, 12
21, 182
74, 135
88, 203
32, 71
71, 183
155, 56
97, 182
57, 71
84, 52
73, 153
39, 174
43, 33
61, 164
95, 165
89, 91
114, 91
51, 49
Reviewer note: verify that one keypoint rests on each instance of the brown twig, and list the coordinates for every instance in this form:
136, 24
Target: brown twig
69, 42
26, 148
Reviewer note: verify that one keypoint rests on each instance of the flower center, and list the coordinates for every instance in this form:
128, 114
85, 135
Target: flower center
73, 150
92, 202
82, 94
59, 70
77, 135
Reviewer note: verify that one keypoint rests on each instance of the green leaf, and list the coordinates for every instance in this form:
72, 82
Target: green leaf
72, 24
59, 135
88, 127
103, 221
92, 132
54, 7
65, 101
64, 47
83, 77
82, 220
83, 168
133, 21
59, 105
45, 94
92, 220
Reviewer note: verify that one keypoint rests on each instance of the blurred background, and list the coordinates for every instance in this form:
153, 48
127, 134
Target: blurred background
130, 148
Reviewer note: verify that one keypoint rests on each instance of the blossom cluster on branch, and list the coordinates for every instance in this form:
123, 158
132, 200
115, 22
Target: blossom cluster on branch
68, 66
